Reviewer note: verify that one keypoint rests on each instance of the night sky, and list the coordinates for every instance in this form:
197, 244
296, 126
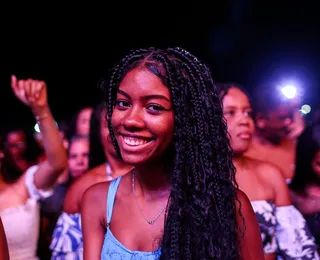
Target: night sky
72, 47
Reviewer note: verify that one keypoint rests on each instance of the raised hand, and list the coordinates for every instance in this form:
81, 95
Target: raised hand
32, 93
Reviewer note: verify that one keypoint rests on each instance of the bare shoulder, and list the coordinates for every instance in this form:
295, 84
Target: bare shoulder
243, 203
88, 179
250, 238
94, 202
245, 212
244, 208
77, 188
272, 175
81, 183
269, 172
96, 193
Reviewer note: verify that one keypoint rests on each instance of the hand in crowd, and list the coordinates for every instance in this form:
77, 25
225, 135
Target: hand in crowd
32, 93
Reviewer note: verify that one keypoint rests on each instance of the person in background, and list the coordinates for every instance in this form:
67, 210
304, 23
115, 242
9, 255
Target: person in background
67, 239
264, 185
16, 143
20, 192
80, 123
78, 164
305, 185
276, 129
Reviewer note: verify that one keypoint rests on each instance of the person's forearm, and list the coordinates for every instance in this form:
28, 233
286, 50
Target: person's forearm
53, 146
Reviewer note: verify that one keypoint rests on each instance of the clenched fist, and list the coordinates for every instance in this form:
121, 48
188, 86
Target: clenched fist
32, 93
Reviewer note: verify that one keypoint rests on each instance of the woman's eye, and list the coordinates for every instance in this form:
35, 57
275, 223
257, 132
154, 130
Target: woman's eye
248, 114
156, 108
122, 104
229, 113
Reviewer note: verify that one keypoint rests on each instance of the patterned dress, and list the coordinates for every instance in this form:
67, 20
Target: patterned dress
284, 231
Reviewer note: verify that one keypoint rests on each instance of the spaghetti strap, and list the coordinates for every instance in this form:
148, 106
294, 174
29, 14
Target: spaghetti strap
111, 197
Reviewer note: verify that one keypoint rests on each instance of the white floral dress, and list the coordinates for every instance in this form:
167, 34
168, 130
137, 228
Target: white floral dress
284, 231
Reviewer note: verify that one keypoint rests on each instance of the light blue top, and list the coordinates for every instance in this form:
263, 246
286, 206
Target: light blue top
112, 248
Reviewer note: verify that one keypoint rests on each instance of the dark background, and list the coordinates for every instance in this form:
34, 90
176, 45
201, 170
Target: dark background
73, 46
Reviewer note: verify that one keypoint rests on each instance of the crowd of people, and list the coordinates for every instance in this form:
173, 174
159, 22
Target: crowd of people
170, 164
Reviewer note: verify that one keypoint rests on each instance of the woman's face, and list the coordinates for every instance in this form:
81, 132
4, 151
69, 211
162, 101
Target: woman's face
16, 143
238, 113
78, 159
143, 118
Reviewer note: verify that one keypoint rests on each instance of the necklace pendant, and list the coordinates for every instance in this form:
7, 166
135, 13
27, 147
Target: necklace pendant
151, 222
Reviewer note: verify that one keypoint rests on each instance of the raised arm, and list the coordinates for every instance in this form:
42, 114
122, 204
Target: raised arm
33, 93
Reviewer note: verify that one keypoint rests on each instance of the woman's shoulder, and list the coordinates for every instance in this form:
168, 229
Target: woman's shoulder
250, 238
78, 187
266, 171
242, 202
244, 208
272, 177
95, 198
97, 192
94, 201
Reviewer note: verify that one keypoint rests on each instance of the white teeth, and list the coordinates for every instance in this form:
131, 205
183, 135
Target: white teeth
133, 141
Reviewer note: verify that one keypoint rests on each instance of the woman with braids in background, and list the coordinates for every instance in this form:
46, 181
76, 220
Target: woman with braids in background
181, 200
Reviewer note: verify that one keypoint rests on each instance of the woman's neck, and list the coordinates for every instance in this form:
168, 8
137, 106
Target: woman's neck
118, 167
239, 161
154, 179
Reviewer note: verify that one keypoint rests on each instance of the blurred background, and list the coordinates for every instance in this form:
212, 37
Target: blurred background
71, 46
271, 48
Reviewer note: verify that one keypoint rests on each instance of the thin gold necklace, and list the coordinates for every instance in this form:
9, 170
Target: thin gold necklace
150, 222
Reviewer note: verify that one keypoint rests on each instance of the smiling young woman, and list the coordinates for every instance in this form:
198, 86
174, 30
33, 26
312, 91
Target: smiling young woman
181, 200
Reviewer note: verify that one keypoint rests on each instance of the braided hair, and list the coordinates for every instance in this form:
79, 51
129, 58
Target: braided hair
201, 220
